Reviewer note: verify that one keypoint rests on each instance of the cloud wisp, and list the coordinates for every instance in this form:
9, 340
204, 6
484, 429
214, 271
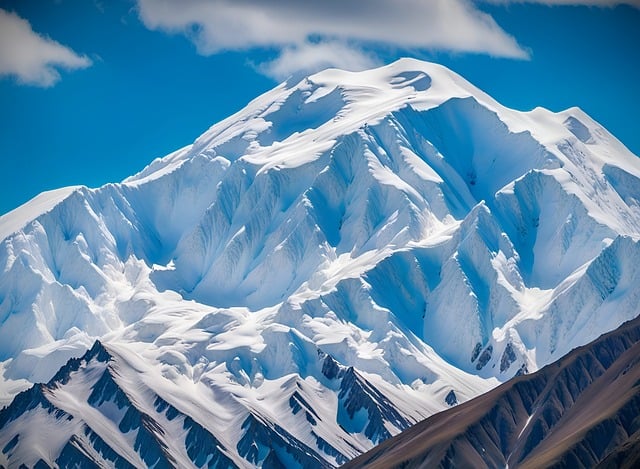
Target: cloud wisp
309, 35
310, 57
30, 57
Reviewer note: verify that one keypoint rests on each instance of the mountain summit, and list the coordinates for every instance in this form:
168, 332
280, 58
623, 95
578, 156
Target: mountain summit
342, 258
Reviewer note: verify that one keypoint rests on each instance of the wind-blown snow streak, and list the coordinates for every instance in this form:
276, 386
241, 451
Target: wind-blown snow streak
317, 272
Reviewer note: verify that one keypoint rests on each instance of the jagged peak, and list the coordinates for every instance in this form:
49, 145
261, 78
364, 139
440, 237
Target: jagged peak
97, 352
23, 402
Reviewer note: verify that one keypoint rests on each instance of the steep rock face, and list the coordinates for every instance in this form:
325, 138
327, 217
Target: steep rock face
430, 241
581, 411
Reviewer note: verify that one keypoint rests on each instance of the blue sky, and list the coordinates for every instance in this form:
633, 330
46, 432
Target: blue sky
92, 91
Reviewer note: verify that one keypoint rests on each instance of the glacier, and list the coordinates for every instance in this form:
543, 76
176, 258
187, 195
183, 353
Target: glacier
340, 259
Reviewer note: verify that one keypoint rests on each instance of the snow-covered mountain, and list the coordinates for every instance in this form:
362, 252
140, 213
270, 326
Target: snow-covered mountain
342, 258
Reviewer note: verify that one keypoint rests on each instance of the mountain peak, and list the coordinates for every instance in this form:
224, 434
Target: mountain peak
397, 220
323, 106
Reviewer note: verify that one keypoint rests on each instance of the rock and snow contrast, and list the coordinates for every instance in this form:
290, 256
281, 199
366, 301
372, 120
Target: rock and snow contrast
578, 412
341, 259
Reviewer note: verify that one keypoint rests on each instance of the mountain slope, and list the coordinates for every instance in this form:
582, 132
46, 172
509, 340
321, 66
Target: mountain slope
370, 247
96, 419
581, 411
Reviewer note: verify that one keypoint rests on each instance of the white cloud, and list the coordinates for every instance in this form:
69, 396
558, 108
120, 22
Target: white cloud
31, 58
315, 32
310, 57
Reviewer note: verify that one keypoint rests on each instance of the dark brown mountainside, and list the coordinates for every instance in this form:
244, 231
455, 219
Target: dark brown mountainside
582, 411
